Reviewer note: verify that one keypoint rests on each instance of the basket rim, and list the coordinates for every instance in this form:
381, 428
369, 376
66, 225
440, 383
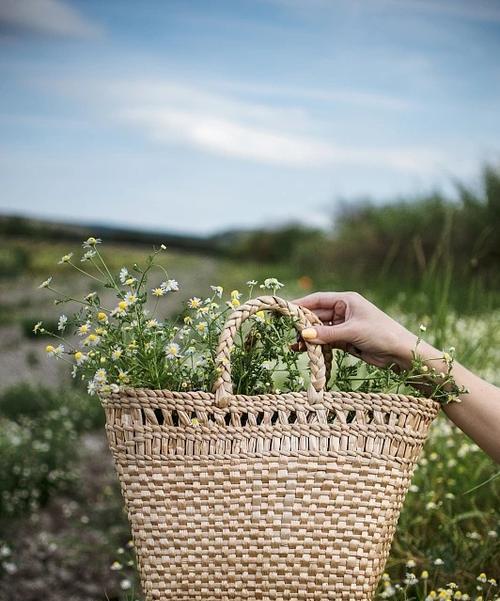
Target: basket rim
129, 391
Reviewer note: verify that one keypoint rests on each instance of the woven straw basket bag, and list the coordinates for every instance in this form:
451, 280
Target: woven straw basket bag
285, 496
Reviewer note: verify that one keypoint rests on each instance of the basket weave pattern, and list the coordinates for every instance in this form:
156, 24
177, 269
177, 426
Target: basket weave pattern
289, 496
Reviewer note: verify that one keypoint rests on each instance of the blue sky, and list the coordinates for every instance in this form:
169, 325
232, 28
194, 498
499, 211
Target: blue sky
200, 116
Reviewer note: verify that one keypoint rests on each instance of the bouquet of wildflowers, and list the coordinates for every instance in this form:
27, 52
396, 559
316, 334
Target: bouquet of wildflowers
133, 343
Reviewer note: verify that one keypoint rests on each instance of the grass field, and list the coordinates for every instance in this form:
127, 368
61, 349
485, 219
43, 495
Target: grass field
63, 530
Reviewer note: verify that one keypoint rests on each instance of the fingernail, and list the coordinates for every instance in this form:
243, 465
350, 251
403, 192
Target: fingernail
309, 333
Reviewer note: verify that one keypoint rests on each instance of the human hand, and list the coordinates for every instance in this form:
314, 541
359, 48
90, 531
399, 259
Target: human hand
354, 324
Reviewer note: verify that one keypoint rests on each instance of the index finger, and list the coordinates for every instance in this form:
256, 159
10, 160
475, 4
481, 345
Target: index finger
320, 300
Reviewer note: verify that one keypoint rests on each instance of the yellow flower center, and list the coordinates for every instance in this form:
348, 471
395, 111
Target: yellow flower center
49, 348
122, 305
78, 355
101, 316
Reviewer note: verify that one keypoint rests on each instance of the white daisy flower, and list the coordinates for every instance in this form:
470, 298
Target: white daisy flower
123, 274
88, 255
55, 351
61, 324
170, 285
91, 242
46, 284
172, 351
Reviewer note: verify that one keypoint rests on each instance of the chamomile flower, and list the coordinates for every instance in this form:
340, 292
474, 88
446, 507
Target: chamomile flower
170, 286
91, 388
116, 353
123, 275
92, 340
252, 283
102, 317
38, 327
123, 377
218, 290
46, 283
80, 357
120, 309
130, 298
271, 284
201, 327
61, 324
152, 323
100, 376
54, 351
188, 320
172, 351
194, 302
130, 281
84, 329
158, 292
87, 256
91, 296
91, 242
65, 259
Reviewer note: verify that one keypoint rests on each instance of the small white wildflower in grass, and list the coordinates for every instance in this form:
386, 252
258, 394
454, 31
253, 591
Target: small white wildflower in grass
84, 329
423, 328
252, 283
5, 550
431, 505
473, 535
492, 533
80, 358
120, 309
61, 324
271, 284
91, 388
170, 286
46, 283
9, 567
102, 317
152, 323
201, 327
123, 377
438, 562
65, 259
424, 575
411, 563
125, 584
414, 488
100, 376
91, 242
194, 302
116, 353
130, 298
218, 290
54, 351
115, 566
123, 275
163, 247
410, 579
92, 340
87, 256
172, 350
482, 578
38, 327
158, 292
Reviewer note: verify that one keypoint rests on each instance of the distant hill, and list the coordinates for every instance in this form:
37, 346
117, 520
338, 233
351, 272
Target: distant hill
40, 229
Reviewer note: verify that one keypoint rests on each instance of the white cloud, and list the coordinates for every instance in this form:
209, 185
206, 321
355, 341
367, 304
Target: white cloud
48, 17
173, 113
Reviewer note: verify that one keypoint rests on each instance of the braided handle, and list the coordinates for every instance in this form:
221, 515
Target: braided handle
223, 386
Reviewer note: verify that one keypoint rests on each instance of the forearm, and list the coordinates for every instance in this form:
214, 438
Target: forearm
478, 415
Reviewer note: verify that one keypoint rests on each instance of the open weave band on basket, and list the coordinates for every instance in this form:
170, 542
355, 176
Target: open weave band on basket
319, 358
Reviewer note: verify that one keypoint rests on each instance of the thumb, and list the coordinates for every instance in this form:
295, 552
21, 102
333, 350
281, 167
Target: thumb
335, 335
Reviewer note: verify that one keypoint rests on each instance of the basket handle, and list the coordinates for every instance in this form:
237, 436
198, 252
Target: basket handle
223, 386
